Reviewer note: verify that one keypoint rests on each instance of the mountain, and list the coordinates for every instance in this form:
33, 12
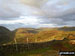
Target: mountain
26, 30
5, 35
67, 28
32, 35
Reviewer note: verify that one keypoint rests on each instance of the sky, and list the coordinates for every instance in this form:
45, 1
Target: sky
37, 13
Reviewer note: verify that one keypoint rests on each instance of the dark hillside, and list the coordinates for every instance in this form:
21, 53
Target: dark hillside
67, 28
5, 35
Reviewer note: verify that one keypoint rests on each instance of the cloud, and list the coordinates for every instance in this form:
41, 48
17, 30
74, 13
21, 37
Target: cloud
16, 8
37, 13
54, 8
48, 8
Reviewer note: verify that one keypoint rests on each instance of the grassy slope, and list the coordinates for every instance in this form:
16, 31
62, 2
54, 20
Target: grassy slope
38, 52
44, 35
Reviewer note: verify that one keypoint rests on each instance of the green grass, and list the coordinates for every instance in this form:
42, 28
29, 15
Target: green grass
37, 52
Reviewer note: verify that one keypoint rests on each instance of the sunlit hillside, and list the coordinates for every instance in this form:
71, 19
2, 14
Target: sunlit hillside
32, 40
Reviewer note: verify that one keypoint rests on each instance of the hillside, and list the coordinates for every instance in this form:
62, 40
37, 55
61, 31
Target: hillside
5, 35
30, 41
26, 30
35, 49
31, 35
67, 28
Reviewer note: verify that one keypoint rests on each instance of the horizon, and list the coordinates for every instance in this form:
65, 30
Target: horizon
34, 28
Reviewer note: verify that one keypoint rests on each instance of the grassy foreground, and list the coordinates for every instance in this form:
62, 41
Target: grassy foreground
37, 52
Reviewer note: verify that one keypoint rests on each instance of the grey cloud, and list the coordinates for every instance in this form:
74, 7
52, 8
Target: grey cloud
8, 18
56, 8
47, 8
35, 3
56, 12
52, 20
15, 8
68, 17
